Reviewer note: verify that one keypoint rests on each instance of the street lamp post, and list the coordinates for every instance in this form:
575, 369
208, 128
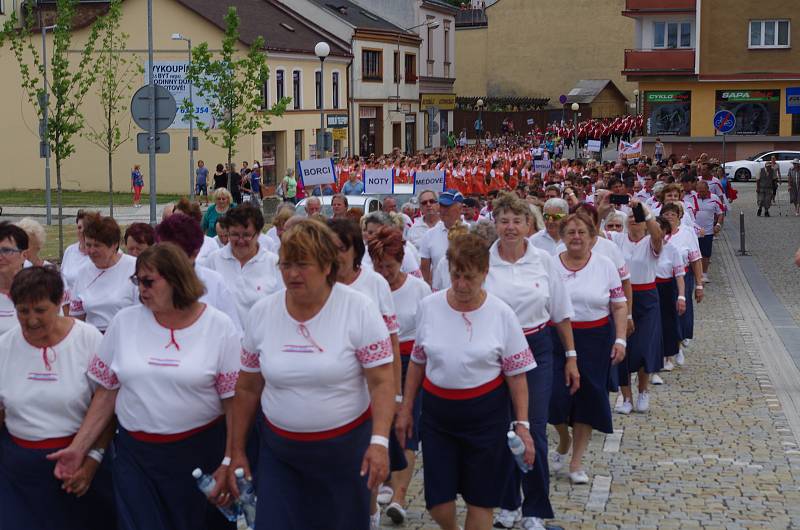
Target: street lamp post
636, 96
321, 50
575, 108
480, 121
44, 102
178, 36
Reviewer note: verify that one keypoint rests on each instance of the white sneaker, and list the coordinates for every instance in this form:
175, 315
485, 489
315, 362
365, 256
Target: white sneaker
620, 399
680, 359
668, 366
558, 460
375, 521
686, 343
396, 513
655, 379
705, 279
532, 523
507, 518
385, 494
643, 402
624, 408
579, 477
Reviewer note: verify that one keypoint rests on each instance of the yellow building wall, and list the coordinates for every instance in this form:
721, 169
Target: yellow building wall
472, 51
704, 101
87, 168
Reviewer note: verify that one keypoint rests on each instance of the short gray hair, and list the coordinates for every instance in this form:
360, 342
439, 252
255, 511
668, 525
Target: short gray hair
313, 198
34, 229
485, 230
435, 195
557, 202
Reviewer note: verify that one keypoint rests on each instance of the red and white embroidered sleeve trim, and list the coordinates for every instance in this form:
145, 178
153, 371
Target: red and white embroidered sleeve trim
418, 354
250, 360
516, 362
226, 384
391, 323
375, 352
694, 255
623, 271
76, 306
417, 273
102, 373
617, 293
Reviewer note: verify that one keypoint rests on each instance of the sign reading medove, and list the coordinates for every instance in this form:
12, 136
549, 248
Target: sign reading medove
377, 181
316, 171
428, 180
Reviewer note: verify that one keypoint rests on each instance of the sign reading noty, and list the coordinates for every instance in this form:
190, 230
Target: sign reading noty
317, 171
378, 181
428, 180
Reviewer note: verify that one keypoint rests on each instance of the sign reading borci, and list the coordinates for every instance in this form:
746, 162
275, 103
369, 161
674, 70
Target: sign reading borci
316, 172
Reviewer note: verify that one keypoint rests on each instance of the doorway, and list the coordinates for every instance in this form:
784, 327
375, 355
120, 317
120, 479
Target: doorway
397, 136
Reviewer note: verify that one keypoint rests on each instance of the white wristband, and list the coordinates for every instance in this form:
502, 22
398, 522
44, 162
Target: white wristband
226, 461
379, 440
621, 342
398, 398
630, 317
699, 287
97, 455
525, 424
683, 298
570, 353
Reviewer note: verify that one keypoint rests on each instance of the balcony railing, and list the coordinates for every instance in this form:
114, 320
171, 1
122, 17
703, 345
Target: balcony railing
633, 7
659, 62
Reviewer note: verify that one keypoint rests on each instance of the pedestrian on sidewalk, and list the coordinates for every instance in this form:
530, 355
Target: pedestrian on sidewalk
201, 181
794, 185
137, 183
767, 186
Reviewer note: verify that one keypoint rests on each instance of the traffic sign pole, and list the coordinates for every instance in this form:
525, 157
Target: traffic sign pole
724, 122
151, 129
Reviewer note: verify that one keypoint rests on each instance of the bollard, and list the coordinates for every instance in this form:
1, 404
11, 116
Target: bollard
742, 247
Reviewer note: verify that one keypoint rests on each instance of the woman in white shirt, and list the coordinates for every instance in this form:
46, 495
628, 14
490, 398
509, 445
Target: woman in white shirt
13, 245
595, 289
102, 288
170, 389
470, 357
387, 249
318, 358
670, 272
371, 223
525, 278
75, 255
44, 396
641, 247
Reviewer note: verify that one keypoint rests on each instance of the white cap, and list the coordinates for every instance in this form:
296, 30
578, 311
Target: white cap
239, 472
197, 473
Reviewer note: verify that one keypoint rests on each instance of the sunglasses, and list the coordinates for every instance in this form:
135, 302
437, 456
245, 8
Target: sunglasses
146, 282
554, 216
428, 202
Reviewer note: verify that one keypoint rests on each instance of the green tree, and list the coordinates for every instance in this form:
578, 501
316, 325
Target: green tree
232, 84
116, 70
70, 77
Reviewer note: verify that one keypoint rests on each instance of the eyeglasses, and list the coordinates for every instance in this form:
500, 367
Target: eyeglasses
554, 216
428, 202
8, 251
146, 282
243, 237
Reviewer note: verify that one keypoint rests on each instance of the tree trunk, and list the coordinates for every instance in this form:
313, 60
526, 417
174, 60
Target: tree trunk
110, 185
60, 210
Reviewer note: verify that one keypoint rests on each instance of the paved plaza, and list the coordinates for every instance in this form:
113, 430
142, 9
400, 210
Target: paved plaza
718, 450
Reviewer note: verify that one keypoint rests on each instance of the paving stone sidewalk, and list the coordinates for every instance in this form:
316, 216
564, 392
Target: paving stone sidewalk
715, 451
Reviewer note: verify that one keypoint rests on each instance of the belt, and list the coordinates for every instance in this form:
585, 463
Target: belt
320, 435
406, 347
535, 329
169, 438
663, 280
643, 286
49, 443
590, 324
462, 393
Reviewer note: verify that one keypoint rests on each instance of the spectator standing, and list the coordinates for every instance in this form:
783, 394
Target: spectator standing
201, 181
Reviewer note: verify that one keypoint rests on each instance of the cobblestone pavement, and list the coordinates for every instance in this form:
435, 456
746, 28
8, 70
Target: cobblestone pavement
715, 451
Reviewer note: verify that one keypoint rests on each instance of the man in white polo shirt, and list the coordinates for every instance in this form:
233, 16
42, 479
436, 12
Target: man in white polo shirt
433, 245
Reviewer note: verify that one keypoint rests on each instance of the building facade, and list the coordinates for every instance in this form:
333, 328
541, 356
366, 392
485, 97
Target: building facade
692, 58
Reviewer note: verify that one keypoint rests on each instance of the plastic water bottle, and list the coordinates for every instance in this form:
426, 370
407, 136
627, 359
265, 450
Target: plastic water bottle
206, 484
517, 447
247, 497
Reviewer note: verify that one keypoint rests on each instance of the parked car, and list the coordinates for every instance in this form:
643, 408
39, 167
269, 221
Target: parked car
368, 203
750, 167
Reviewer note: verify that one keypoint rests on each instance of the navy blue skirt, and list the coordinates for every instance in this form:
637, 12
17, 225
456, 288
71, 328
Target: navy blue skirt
153, 482
644, 345
590, 403
412, 443
668, 298
465, 449
686, 320
31, 497
313, 484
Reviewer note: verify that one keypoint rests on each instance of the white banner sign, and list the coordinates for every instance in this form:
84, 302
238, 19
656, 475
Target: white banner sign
428, 180
172, 76
630, 151
317, 171
542, 166
379, 181
594, 146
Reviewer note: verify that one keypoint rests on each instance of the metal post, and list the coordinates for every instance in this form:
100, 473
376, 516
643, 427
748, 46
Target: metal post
723, 154
151, 129
45, 118
321, 134
480, 121
191, 128
575, 132
742, 247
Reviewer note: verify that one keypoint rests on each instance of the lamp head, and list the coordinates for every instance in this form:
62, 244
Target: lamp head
177, 36
433, 24
322, 49
480, 103
636, 92
575, 107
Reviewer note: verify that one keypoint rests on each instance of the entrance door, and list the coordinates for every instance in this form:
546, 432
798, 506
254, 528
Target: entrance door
269, 160
397, 136
411, 134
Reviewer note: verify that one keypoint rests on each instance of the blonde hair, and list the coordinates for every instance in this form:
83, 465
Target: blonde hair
34, 229
223, 192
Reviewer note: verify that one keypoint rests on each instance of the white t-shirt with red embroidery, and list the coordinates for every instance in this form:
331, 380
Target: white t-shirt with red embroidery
671, 263
407, 298
8, 313
592, 288
169, 381
45, 392
375, 287
462, 350
314, 370
639, 255
102, 293
709, 209
606, 247
686, 241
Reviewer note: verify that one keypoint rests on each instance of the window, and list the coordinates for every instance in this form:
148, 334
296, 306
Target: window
296, 89
265, 96
672, 34
411, 69
279, 90
335, 92
430, 39
318, 89
397, 67
769, 34
372, 65
447, 42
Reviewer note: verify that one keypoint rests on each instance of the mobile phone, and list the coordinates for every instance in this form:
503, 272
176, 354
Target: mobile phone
638, 213
620, 199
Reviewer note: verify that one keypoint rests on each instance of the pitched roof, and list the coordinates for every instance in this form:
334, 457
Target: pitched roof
586, 90
282, 29
357, 16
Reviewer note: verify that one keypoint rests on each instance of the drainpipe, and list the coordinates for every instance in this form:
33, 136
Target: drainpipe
350, 109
